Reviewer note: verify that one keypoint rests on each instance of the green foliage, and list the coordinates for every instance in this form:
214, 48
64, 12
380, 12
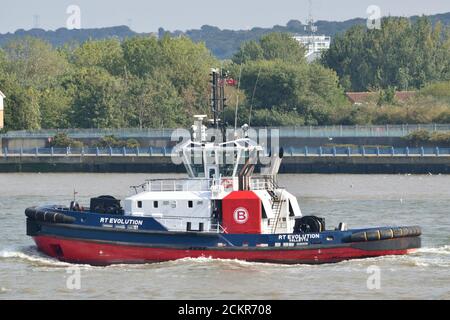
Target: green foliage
114, 142
423, 137
278, 84
107, 54
440, 138
156, 103
402, 54
61, 140
185, 64
274, 117
306, 93
387, 96
274, 46
419, 137
3, 60
34, 62
21, 106
148, 82
141, 82
439, 90
249, 51
98, 99
282, 46
223, 43
55, 105
132, 143
141, 55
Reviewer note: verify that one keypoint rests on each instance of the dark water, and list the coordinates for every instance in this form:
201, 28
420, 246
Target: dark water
359, 200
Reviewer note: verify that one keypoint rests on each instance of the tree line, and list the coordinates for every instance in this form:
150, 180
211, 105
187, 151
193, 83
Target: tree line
401, 54
149, 82
140, 82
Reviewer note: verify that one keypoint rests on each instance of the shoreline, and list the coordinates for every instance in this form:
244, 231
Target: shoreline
313, 164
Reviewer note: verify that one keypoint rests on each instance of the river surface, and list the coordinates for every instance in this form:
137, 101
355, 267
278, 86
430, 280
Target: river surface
359, 200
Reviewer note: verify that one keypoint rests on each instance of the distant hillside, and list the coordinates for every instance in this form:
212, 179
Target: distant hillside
61, 36
222, 43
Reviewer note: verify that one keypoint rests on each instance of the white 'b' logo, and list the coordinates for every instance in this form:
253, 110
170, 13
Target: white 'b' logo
241, 215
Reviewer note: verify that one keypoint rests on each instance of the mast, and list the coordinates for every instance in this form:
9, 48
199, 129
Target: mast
218, 100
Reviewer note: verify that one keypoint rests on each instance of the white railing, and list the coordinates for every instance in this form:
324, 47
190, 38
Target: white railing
262, 183
295, 131
162, 185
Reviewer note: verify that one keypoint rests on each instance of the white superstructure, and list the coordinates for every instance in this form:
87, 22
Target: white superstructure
215, 170
314, 44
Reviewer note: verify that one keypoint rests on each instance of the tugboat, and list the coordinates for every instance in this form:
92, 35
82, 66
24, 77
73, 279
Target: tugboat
222, 210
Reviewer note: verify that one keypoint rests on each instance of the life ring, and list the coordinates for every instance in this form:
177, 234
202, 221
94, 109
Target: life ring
227, 183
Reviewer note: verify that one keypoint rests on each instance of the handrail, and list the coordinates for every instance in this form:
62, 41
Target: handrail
180, 184
291, 131
168, 152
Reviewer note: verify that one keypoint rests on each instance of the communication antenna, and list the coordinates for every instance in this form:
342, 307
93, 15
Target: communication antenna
311, 27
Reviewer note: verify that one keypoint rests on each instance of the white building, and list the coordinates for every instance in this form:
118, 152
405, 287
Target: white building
314, 45
2, 96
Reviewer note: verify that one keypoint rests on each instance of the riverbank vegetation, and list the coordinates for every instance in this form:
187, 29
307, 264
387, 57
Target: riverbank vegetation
146, 82
421, 138
62, 140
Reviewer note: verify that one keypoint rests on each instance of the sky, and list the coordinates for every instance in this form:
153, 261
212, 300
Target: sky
149, 15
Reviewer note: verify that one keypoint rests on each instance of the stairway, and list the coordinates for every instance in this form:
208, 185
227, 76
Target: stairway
276, 208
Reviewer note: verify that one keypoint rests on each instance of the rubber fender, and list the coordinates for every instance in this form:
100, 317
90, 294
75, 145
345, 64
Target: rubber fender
398, 232
48, 216
386, 234
358, 237
373, 235
406, 232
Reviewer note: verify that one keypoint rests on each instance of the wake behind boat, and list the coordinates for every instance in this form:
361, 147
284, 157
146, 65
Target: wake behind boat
223, 209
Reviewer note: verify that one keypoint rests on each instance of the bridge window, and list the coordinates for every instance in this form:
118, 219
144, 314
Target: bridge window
190, 203
155, 204
139, 204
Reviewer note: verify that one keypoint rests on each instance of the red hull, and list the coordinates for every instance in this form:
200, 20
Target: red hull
95, 253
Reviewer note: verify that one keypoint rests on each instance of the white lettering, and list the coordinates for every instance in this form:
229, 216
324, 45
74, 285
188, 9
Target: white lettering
374, 280
74, 280
74, 20
188, 310
302, 237
374, 17
122, 221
